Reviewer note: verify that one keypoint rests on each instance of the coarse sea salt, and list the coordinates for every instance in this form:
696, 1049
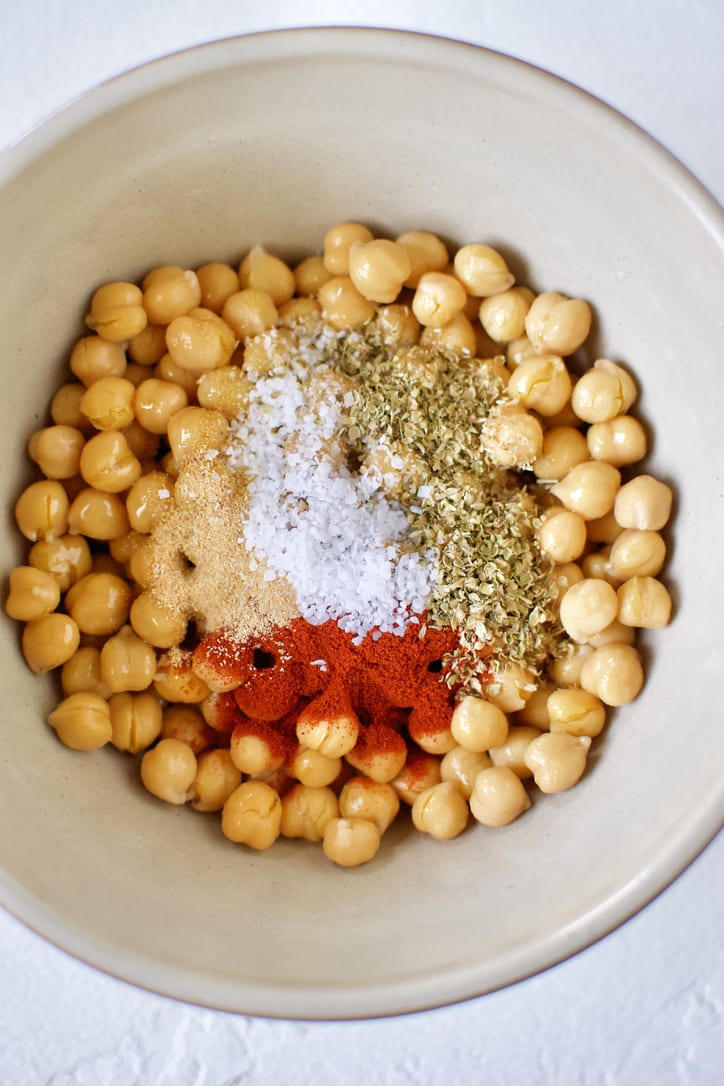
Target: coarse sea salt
332, 533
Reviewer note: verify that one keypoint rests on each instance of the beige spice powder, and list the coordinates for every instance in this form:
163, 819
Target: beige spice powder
200, 564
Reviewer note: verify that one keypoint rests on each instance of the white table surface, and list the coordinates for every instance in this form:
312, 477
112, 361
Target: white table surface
643, 1006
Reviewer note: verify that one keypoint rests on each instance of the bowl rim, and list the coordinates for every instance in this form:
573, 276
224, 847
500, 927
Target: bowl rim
454, 985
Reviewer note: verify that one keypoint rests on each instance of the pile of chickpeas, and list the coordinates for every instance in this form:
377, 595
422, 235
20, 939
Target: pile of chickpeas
166, 366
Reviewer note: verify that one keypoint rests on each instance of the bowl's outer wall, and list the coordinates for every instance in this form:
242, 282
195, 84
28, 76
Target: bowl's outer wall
272, 139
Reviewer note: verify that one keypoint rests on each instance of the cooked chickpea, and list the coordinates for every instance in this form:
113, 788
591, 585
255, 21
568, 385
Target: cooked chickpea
252, 815
604, 392
420, 771
309, 275
299, 311
512, 437
142, 444
127, 662
333, 733
108, 403
457, 335
65, 407
260, 270
427, 253
56, 450
618, 441
441, 811
562, 535
438, 298
613, 673
252, 753
169, 292
200, 341
187, 723
518, 351
218, 282
567, 669
99, 603
557, 760
168, 771
41, 511
175, 679
49, 641
313, 768
603, 529
98, 515
107, 463
196, 430
166, 370
589, 489
588, 607
535, 710
397, 324
644, 602
615, 631
643, 503
371, 800
337, 244
576, 712
161, 626
83, 672
499, 796
306, 812
478, 725
249, 312
461, 767
563, 448
149, 346
67, 559
94, 357
562, 577
34, 593
558, 324
216, 778
350, 842
342, 304
148, 500
503, 315
136, 721
378, 269
382, 763
512, 752
482, 270
156, 402
226, 390
116, 312
511, 687
541, 384
82, 721
597, 564
637, 553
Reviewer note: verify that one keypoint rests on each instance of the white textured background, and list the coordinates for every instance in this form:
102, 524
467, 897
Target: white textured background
645, 1006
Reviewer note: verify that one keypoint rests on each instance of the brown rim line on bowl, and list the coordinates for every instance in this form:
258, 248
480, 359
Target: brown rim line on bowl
177, 163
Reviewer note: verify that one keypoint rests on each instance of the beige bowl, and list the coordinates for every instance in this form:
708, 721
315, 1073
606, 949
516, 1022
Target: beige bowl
271, 139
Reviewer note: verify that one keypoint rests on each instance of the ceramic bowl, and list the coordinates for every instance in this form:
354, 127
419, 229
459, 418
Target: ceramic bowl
272, 138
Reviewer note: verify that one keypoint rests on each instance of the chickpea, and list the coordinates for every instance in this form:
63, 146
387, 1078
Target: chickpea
567, 669
512, 437
518, 351
397, 325
438, 299
170, 292
65, 407
127, 662
511, 687
313, 768
149, 346
148, 500
56, 450
597, 564
142, 444
136, 722
562, 577
333, 733
588, 607
643, 503
563, 448
185, 722
250, 312
34, 593
108, 403
107, 463
99, 603
41, 511
378, 269
644, 602
260, 270
93, 357
337, 244
535, 711
200, 341
562, 535
218, 282
426, 252
420, 771
166, 370
512, 752
558, 324
350, 842
82, 721
618, 441
67, 559
478, 725
216, 778
482, 270
98, 515
176, 681
603, 529
342, 304
310, 275
371, 800
576, 712
306, 812
541, 384
558, 760
252, 815
461, 767
605, 391
116, 312
168, 771
637, 553
196, 430
299, 311
83, 672
503, 315
380, 758
49, 641
589, 489
441, 811
156, 402
226, 390
457, 335
615, 631
613, 673
253, 753
160, 626
499, 796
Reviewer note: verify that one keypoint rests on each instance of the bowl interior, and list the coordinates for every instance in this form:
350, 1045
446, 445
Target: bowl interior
272, 139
